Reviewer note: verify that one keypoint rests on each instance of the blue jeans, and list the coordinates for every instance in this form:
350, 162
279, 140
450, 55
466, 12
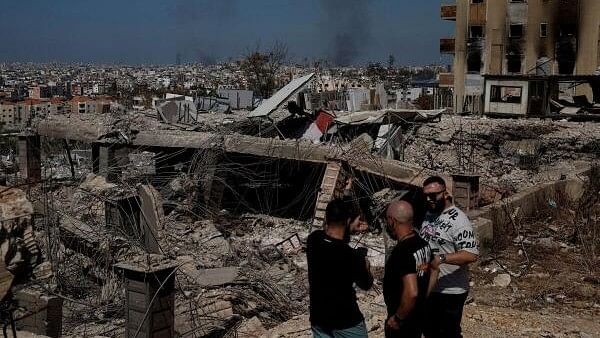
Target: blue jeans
358, 331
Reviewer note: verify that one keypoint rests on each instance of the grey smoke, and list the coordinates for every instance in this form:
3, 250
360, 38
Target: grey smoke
347, 26
195, 43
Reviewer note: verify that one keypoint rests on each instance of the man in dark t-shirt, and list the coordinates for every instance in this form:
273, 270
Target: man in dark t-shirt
407, 277
333, 269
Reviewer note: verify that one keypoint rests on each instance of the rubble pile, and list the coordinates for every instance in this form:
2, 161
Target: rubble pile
510, 155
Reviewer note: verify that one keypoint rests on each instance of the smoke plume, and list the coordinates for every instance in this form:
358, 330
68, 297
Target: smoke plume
347, 28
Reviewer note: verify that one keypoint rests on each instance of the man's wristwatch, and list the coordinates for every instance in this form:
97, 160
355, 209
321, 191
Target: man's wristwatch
442, 259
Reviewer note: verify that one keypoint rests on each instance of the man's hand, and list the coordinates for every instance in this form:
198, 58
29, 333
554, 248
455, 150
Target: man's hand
358, 226
392, 323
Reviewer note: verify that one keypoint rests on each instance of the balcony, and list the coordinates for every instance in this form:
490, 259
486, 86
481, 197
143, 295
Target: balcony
448, 12
447, 46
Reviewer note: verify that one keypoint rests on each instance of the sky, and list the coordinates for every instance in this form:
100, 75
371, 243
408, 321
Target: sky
155, 31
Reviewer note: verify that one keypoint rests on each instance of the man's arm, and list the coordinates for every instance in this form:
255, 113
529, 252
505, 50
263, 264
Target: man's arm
461, 257
434, 274
410, 293
465, 243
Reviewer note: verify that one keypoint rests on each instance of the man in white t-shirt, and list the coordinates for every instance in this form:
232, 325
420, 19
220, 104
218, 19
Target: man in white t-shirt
453, 242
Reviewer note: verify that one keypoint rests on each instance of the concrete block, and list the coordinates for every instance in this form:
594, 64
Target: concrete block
149, 287
484, 230
43, 314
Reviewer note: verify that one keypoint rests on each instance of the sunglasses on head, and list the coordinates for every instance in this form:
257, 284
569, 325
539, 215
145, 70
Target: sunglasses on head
433, 195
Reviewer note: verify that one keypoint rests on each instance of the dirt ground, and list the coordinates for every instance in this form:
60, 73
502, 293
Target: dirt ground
543, 284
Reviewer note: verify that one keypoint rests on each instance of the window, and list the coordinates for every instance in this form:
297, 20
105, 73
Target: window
477, 31
516, 31
543, 30
506, 94
513, 63
474, 61
476, 1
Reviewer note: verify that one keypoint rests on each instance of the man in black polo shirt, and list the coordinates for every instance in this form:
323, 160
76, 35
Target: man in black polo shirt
407, 276
333, 269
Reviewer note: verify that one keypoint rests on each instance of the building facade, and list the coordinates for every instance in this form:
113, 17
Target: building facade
520, 38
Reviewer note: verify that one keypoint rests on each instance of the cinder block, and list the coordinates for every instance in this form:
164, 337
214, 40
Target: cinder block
43, 314
484, 230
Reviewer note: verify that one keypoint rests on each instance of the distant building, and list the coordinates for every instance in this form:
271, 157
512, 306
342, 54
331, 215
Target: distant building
16, 115
40, 92
91, 105
518, 39
238, 99
138, 103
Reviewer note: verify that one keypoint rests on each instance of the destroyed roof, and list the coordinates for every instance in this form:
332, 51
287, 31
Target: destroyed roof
270, 105
389, 116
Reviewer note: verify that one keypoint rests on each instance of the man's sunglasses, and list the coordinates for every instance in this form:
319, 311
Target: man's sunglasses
433, 195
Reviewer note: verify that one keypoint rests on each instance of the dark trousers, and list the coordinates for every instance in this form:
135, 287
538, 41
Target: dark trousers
404, 332
444, 313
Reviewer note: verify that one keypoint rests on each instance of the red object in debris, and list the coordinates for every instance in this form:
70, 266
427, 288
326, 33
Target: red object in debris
324, 120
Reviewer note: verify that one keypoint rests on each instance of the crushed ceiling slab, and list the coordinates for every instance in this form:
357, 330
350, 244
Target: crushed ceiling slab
270, 105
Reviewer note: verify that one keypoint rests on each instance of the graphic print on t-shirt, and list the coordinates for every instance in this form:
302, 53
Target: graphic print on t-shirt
422, 258
448, 233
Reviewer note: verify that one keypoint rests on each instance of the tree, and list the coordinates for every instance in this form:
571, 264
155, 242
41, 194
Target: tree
261, 68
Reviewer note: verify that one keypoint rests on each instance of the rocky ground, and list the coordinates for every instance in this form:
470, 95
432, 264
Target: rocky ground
544, 284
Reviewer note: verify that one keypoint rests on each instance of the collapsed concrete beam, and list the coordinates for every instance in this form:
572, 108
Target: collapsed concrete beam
62, 127
299, 150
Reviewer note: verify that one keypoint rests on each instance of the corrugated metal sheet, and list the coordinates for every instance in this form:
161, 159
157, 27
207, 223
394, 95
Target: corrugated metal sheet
270, 105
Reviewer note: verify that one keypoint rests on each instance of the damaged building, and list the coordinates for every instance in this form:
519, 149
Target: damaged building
184, 227
515, 57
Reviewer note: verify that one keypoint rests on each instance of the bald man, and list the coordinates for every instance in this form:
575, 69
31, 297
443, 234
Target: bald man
407, 278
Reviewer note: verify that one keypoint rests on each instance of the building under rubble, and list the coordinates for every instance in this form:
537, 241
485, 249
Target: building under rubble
511, 56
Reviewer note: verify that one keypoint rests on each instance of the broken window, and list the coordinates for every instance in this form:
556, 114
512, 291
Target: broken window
516, 31
513, 63
543, 30
477, 31
474, 61
506, 94
566, 55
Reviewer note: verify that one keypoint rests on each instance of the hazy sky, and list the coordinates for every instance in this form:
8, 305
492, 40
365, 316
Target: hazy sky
154, 31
